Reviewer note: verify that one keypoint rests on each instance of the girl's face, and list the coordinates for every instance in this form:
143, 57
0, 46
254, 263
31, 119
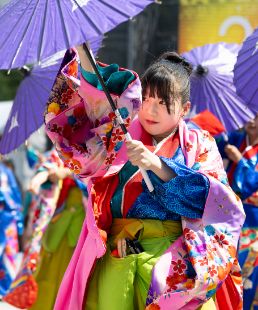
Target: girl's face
156, 120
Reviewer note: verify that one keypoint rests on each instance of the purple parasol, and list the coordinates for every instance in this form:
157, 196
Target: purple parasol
246, 71
32, 30
212, 84
27, 113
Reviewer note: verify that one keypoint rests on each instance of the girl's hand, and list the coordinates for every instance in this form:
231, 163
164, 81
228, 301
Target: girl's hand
85, 63
37, 181
233, 153
140, 156
58, 173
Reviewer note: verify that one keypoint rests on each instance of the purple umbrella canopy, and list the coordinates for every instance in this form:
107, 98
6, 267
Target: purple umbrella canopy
246, 71
27, 113
32, 30
212, 84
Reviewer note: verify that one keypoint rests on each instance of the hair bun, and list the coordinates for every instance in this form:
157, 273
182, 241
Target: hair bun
175, 58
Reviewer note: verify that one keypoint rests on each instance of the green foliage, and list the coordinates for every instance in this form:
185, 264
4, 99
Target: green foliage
9, 84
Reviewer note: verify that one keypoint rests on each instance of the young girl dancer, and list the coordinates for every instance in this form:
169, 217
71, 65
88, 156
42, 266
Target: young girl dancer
171, 249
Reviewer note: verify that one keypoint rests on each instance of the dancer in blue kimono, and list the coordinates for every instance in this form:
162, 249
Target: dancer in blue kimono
242, 151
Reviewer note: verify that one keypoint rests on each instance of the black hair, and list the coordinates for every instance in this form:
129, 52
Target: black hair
169, 78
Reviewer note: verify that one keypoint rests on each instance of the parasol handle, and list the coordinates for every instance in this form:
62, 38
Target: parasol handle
117, 113
143, 172
129, 138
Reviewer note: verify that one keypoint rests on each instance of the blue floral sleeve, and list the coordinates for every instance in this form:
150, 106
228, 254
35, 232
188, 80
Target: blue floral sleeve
185, 195
245, 179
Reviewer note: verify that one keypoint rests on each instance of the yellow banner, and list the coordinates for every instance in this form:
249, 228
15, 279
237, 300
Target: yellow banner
211, 21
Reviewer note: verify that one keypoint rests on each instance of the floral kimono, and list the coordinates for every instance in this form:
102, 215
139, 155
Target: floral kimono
11, 224
59, 241
202, 257
58, 214
243, 177
23, 290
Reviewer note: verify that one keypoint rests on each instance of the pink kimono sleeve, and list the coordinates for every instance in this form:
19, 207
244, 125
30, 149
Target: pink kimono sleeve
81, 123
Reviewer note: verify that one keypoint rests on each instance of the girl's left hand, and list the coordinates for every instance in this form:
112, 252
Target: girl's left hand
37, 181
140, 156
233, 153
